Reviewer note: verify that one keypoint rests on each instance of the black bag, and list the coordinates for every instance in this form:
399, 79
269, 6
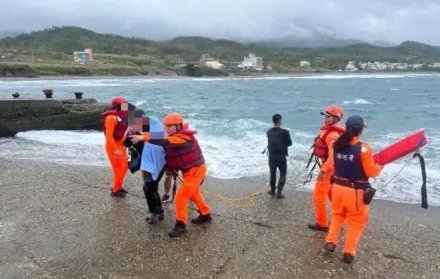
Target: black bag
275, 141
134, 164
369, 195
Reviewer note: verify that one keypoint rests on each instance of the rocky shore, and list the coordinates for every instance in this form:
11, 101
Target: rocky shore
49, 114
59, 221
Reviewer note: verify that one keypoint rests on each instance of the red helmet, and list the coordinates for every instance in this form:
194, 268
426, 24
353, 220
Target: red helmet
118, 100
173, 119
334, 110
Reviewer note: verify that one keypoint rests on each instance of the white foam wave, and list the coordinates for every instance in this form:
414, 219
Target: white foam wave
209, 79
70, 138
357, 102
394, 89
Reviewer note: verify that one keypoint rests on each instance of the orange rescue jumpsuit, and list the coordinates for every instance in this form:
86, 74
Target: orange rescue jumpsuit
346, 206
119, 164
190, 188
323, 188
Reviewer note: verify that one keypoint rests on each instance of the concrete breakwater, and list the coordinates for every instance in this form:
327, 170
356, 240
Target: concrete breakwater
20, 115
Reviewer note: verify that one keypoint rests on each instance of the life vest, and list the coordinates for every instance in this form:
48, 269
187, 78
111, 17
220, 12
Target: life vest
319, 146
120, 128
348, 164
187, 156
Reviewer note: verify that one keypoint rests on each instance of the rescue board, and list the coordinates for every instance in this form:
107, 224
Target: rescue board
401, 148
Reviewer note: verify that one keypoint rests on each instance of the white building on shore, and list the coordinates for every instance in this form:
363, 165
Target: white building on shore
253, 62
351, 67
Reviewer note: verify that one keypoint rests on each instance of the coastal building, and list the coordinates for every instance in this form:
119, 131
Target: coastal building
434, 65
416, 66
82, 56
304, 64
214, 64
382, 66
351, 67
205, 58
252, 62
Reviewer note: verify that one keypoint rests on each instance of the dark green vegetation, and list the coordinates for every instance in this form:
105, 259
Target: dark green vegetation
117, 55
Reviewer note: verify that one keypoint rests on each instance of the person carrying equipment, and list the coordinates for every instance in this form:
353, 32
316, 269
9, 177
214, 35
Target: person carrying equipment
278, 141
184, 154
323, 152
114, 131
351, 192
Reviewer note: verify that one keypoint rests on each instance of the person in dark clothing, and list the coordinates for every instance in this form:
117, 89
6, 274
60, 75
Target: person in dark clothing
278, 141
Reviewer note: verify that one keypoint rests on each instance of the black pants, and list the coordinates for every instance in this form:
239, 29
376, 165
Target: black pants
151, 191
277, 160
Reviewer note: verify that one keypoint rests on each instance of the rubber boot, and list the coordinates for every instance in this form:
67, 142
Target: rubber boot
118, 194
179, 229
317, 227
202, 219
330, 247
348, 258
271, 192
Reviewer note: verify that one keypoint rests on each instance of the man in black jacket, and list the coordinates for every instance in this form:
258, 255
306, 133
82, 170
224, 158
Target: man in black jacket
278, 141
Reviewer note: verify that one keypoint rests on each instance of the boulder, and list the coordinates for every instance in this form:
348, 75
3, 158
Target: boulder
49, 114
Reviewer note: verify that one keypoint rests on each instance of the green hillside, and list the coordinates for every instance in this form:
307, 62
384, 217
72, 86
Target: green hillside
58, 43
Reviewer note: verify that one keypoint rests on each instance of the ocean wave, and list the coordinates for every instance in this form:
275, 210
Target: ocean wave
357, 102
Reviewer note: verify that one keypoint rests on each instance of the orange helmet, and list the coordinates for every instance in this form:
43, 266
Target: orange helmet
173, 119
118, 100
334, 110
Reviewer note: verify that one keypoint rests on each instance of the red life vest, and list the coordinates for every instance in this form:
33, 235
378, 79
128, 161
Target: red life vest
187, 156
120, 128
319, 146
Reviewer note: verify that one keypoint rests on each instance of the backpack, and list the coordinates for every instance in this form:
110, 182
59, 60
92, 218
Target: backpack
275, 141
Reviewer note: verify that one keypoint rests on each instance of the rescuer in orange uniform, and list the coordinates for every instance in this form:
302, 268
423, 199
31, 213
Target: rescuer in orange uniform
184, 154
168, 178
323, 150
351, 191
114, 131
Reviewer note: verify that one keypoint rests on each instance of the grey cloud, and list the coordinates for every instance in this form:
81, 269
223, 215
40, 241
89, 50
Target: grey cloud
392, 20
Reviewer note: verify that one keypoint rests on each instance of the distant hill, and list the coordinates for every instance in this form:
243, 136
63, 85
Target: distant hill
9, 34
70, 38
315, 41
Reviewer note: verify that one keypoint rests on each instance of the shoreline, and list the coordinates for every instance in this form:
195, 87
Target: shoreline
61, 222
299, 74
261, 178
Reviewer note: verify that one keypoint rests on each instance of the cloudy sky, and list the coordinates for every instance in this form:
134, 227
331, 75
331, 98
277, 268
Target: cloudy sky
390, 20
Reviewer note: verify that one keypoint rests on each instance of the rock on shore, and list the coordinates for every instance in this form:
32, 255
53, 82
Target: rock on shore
48, 114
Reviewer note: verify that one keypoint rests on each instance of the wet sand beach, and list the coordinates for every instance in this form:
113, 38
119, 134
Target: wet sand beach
59, 221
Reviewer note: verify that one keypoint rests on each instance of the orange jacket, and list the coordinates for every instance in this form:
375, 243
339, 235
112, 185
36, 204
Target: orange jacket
110, 124
178, 140
327, 167
370, 167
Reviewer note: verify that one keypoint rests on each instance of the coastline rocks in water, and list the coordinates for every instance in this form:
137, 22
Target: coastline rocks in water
24, 115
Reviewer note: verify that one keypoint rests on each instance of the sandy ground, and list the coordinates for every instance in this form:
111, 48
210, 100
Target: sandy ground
59, 221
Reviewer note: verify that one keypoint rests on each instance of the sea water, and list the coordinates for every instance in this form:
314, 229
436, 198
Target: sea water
232, 116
